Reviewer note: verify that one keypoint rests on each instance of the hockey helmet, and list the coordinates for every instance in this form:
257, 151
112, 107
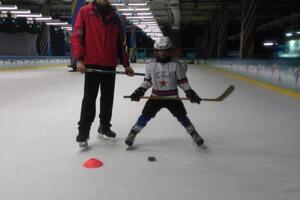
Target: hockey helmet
163, 43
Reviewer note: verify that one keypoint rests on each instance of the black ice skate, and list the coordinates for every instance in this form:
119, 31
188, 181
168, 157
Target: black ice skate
83, 144
198, 139
82, 141
106, 132
130, 138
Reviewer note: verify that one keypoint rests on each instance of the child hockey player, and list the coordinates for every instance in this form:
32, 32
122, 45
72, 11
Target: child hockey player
164, 74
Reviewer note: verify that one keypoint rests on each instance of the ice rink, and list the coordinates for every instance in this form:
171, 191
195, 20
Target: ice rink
253, 140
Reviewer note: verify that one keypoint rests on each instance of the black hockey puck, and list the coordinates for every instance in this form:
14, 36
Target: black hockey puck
151, 158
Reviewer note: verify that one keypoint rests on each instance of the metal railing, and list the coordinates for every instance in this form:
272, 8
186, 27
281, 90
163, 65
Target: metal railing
31, 61
280, 72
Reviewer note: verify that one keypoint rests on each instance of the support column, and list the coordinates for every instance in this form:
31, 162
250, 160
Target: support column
175, 37
248, 28
44, 40
133, 47
224, 18
76, 5
202, 42
213, 39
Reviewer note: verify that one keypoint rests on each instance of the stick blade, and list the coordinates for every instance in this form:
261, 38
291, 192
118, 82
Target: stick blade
227, 92
223, 96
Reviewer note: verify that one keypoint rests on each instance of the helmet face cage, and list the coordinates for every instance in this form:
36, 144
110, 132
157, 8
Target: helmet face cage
163, 43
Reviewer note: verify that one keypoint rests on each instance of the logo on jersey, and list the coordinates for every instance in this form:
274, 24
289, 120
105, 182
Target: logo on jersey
163, 83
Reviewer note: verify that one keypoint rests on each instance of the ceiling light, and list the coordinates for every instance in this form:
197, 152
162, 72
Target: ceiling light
57, 23
17, 11
134, 14
134, 9
140, 17
40, 19
137, 4
8, 7
29, 15
69, 28
118, 4
268, 43
150, 23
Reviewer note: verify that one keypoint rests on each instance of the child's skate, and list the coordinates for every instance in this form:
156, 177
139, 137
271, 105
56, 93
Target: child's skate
130, 138
198, 139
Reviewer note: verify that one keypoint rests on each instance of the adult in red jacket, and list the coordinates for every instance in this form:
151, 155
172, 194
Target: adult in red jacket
98, 43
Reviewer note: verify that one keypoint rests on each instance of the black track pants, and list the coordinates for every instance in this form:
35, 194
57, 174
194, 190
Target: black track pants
92, 82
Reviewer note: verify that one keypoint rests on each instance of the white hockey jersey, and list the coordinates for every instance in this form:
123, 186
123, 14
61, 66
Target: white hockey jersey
165, 77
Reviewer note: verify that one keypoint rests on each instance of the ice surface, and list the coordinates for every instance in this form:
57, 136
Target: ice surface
253, 142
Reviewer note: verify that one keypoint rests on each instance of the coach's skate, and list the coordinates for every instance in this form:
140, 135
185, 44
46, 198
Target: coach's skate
105, 133
83, 144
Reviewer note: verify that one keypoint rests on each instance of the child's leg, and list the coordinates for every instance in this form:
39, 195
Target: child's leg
185, 121
138, 126
140, 123
178, 110
149, 111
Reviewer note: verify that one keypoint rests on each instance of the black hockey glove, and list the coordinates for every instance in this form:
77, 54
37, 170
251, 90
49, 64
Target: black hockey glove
137, 94
192, 95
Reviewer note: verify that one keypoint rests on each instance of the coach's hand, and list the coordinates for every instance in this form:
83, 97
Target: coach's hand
129, 71
80, 66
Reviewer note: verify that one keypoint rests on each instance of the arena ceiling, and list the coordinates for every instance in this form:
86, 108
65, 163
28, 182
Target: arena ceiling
273, 16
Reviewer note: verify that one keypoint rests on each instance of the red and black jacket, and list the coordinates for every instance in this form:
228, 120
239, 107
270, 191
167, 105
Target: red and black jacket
96, 41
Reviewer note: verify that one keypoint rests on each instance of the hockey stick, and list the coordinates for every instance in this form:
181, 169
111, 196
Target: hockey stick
111, 72
225, 94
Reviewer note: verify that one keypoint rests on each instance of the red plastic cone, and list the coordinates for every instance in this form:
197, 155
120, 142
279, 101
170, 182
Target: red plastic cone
92, 163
